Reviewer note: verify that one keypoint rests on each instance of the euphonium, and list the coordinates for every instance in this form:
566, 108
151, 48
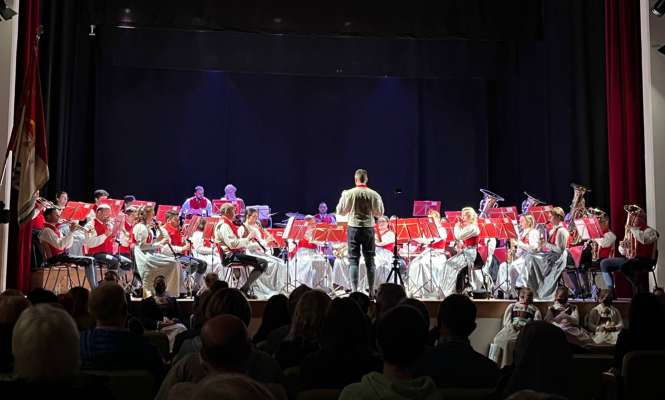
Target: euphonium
489, 200
629, 243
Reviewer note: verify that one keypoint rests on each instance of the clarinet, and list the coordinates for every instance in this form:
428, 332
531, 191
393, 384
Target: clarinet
255, 239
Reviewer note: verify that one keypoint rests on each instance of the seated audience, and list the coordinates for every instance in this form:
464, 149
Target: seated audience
564, 315
275, 315
401, 348
516, 316
277, 335
345, 356
433, 334
161, 312
45, 345
542, 362
80, 299
39, 296
454, 363
11, 307
230, 387
646, 324
362, 299
303, 337
188, 364
388, 296
110, 345
604, 320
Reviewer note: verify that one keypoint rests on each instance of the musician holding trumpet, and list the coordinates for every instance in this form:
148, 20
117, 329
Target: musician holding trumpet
638, 249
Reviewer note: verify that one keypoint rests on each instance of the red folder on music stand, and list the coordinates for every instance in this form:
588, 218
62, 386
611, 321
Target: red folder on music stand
505, 228
190, 226
116, 206
163, 209
502, 212
540, 213
295, 229
421, 207
453, 216
277, 233
76, 211
143, 203
338, 234
487, 229
209, 229
217, 205
588, 228
320, 233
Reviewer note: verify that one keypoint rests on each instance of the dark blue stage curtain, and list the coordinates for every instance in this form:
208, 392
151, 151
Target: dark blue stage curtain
288, 118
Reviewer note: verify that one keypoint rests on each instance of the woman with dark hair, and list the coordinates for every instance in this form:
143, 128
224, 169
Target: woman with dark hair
646, 324
275, 315
345, 355
303, 337
79, 311
542, 361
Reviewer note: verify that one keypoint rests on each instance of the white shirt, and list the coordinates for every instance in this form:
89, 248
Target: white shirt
362, 205
532, 241
607, 240
227, 239
49, 237
561, 241
646, 236
93, 239
463, 233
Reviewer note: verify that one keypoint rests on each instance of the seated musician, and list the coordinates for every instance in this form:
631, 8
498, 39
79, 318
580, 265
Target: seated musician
194, 267
56, 245
595, 251
61, 199
514, 318
197, 204
127, 201
308, 265
512, 274
38, 219
233, 247
427, 269
230, 196
323, 216
273, 280
100, 240
99, 195
204, 250
125, 240
466, 232
638, 250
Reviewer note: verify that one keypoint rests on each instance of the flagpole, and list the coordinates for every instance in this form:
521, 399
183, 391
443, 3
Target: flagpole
6, 189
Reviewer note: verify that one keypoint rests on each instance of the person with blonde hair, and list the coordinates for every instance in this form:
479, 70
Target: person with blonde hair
512, 274
466, 234
426, 270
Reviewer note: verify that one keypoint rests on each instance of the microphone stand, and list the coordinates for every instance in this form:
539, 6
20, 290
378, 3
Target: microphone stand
395, 273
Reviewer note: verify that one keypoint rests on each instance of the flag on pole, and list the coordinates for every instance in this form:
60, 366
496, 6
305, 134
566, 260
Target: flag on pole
28, 142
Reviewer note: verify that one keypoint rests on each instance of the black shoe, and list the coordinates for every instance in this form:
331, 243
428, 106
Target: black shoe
249, 295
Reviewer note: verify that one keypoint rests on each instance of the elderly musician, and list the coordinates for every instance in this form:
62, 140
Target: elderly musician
234, 247
193, 267
230, 196
638, 249
362, 205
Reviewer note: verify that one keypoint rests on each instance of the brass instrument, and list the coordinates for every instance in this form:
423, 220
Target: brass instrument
577, 210
512, 250
599, 214
629, 243
489, 200
529, 202
46, 203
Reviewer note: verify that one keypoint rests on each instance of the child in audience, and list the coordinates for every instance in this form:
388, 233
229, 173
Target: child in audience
564, 315
514, 318
604, 320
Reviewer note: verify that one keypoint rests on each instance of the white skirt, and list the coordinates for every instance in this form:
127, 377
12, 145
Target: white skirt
425, 272
152, 265
310, 268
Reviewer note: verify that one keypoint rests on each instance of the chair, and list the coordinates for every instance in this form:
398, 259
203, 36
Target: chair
58, 267
588, 374
160, 341
127, 384
319, 394
642, 374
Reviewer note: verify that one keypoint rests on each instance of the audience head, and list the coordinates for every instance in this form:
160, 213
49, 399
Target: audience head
210, 279
160, 285
231, 387
39, 296
542, 360
295, 296
111, 276
646, 315
275, 315
345, 327
362, 299
388, 296
419, 306
225, 345
308, 316
12, 292
561, 295
45, 344
228, 301
457, 316
108, 305
81, 298
11, 308
525, 296
401, 335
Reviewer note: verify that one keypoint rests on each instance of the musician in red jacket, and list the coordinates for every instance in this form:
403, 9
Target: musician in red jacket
196, 268
101, 239
55, 245
197, 205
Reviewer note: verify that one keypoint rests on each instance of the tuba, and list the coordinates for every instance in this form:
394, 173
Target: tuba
577, 210
629, 243
489, 200
529, 202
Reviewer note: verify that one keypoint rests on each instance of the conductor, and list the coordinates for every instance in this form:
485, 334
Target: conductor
362, 205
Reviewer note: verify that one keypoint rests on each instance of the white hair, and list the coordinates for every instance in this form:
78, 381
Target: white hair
45, 344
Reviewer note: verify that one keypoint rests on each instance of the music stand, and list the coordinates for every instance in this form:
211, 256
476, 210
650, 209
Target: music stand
403, 229
116, 206
421, 208
588, 228
295, 230
163, 209
76, 211
502, 212
428, 232
541, 214
208, 237
144, 203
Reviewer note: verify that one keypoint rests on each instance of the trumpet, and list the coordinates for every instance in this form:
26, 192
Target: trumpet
629, 243
46, 203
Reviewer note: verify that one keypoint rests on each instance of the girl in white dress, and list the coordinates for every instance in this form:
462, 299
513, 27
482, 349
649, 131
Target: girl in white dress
206, 251
147, 254
604, 321
565, 315
308, 266
512, 275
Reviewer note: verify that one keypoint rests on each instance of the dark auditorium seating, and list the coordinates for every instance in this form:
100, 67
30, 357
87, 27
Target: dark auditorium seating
642, 374
127, 384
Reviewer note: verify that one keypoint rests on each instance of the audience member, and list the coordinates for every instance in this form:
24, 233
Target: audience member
80, 299
363, 301
39, 296
646, 324
226, 387
400, 348
345, 356
110, 345
161, 312
454, 363
542, 362
277, 335
433, 334
604, 320
564, 315
388, 296
514, 318
275, 315
11, 307
188, 366
303, 337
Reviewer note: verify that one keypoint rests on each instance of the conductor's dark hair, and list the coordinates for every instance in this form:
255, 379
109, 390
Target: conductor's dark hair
399, 346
